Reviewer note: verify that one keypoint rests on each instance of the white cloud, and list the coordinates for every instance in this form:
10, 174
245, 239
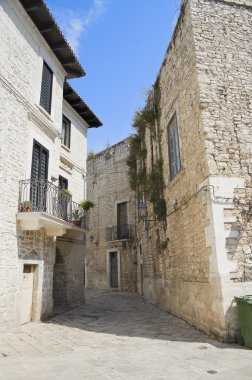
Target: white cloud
74, 24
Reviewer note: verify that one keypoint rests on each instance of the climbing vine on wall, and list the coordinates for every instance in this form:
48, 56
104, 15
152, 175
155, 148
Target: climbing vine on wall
148, 181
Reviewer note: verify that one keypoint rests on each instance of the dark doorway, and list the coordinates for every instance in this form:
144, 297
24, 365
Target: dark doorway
113, 269
122, 220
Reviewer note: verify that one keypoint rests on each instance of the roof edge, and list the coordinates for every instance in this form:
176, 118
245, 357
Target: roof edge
78, 104
43, 19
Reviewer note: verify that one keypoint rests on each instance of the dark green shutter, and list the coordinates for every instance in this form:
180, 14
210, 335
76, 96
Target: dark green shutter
46, 88
39, 172
66, 132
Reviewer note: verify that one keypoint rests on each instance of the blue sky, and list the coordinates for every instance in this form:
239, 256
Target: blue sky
121, 45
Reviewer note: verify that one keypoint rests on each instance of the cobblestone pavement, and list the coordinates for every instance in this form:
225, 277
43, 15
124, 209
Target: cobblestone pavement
118, 336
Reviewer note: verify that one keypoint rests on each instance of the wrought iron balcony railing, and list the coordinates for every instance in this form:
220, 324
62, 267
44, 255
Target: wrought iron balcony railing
120, 232
44, 196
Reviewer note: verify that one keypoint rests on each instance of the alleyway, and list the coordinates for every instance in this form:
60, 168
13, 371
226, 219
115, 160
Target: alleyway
118, 336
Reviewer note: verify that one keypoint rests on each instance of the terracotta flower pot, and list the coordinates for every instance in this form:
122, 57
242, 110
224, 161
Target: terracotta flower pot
77, 223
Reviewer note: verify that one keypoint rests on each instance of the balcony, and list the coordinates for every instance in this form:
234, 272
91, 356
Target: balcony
44, 205
121, 232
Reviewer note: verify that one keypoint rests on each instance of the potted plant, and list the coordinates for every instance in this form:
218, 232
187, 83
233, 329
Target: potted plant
76, 218
66, 192
25, 206
86, 205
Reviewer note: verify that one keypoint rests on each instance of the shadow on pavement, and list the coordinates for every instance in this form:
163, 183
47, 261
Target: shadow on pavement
127, 314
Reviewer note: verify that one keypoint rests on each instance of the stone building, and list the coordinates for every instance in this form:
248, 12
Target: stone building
190, 168
43, 127
193, 261
111, 254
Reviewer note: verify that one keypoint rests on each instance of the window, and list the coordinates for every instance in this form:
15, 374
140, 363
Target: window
39, 172
63, 182
122, 221
66, 131
173, 146
46, 88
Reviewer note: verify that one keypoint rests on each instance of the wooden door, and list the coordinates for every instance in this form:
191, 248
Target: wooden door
113, 270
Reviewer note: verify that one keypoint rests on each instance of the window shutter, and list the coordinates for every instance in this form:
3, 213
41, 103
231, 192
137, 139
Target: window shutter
43, 165
68, 135
35, 162
177, 158
66, 132
63, 132
172, 151
46, 88
38, 172
173, 146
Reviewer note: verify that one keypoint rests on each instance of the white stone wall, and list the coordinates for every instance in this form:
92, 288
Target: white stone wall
21, 120
73, 160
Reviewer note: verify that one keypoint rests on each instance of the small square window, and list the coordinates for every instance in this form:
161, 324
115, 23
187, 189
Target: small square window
66, 132
173, 147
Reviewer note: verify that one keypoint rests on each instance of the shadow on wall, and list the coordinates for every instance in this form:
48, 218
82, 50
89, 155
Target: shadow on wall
59, 280
231, 318
127, 314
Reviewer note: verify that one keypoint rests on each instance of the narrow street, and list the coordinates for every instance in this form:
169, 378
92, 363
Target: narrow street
118, 336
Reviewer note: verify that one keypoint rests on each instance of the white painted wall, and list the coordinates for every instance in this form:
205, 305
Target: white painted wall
23, 50
75, 172
220, 266
22, 120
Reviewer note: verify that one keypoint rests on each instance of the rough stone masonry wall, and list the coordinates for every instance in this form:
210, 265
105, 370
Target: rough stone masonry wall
14, 122
69, 271
177, 277
107, 183
37, 248
222, 35
15, 246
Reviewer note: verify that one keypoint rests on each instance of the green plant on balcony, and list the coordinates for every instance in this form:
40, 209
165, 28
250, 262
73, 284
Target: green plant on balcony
86, 204
76, 218
66, 192
25, 206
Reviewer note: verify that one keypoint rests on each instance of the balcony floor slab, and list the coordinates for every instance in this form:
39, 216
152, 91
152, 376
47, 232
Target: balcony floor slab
34, 221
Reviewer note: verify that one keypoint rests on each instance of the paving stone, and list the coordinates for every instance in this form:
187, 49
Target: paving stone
140, 342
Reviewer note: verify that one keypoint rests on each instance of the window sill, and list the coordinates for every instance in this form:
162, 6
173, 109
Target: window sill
65, 147
43, 121
44, 112
176, 178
